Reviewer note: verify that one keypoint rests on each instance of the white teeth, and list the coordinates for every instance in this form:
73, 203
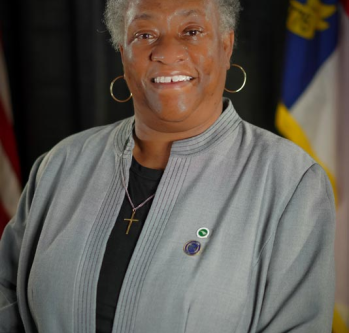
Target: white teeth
175, 78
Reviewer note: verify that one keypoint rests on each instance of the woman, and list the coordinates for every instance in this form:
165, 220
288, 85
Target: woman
183, 218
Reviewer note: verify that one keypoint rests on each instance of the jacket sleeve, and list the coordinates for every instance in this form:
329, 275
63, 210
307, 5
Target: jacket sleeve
299, 293
10, 249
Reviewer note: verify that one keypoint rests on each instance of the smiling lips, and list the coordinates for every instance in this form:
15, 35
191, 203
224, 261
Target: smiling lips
170, 79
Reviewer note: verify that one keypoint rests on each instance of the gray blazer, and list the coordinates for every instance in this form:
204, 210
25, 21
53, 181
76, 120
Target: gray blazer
266, 266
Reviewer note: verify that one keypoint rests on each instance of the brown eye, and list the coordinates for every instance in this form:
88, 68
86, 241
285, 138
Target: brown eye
192, 32
144, 36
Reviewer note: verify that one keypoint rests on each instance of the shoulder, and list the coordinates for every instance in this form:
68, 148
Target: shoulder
82, 149
273, 152
92, 138
267, 161
274, 146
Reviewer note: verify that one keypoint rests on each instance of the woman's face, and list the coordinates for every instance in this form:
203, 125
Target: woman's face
175, 59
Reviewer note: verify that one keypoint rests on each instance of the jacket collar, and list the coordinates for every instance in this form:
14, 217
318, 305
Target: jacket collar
224, 125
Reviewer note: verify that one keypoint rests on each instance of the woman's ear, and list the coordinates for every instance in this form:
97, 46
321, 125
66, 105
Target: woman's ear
228, 45
121, 49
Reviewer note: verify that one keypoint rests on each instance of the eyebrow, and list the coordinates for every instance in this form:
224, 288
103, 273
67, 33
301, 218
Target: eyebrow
185, 13
191, 12
143, 16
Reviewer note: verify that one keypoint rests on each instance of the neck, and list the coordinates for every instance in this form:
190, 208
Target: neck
153, 147
152, 154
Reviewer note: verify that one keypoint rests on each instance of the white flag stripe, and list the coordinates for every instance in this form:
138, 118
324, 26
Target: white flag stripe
10, 189
319, 122
342, 234
4, 89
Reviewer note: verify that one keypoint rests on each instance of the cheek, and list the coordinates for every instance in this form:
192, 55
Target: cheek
209, 67
131, 62
208, 59
134, 69
217, 62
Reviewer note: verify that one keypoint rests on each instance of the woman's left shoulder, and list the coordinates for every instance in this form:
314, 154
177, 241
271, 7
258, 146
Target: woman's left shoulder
275, 150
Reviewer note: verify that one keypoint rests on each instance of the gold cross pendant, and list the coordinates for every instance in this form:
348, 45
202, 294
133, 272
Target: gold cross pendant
130, 221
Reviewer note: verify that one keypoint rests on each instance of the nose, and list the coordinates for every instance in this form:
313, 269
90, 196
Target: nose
169, 51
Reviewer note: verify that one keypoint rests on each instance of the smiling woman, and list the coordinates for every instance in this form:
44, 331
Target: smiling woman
182, 218
170, 40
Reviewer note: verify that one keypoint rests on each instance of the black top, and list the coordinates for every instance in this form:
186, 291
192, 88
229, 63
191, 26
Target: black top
143, 183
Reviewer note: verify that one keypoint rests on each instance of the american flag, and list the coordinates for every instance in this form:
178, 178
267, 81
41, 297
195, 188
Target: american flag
10, 188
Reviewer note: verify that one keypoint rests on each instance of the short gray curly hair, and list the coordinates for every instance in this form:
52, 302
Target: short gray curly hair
115, 13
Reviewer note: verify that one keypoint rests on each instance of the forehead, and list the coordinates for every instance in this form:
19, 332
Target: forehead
147, 9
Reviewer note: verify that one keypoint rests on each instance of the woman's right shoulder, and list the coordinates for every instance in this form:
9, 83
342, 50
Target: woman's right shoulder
79, 149
92, 136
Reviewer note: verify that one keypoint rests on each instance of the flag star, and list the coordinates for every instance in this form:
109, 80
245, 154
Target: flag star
305, 19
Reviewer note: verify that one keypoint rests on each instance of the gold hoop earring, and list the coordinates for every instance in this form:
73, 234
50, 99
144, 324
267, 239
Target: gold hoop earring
112, 94
243, 84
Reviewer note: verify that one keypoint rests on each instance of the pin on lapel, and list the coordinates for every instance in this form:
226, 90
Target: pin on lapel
203, 232
192, 248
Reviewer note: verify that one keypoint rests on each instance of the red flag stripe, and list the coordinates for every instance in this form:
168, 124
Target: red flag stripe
345, 4
8, 141
4, 218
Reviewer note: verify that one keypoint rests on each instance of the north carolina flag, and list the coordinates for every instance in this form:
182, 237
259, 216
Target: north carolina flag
9, 165
313, 111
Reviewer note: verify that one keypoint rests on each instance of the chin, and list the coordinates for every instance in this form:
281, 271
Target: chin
175, 109
173, 112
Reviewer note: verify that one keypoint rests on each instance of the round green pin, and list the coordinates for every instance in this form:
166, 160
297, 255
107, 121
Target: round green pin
203, 232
